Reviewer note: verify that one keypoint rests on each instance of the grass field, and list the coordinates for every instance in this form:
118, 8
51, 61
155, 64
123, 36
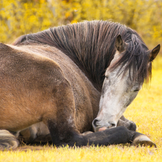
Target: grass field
145, 111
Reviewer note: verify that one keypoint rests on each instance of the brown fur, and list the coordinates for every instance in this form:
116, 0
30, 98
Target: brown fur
36, 88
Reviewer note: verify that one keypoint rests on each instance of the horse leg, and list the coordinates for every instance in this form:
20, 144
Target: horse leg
127, 123
27, 135
35, 134
118, 135
61, 119
7, 140
141, 139
43, 135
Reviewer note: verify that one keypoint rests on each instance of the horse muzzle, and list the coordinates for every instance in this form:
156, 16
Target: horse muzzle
98, 126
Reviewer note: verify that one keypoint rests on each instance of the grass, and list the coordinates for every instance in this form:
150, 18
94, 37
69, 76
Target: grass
145, 111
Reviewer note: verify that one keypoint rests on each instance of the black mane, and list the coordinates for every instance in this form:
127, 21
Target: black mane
91, 46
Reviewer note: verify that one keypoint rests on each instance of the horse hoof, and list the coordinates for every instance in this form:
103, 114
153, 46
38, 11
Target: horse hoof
8, 146
7, 140
143, 140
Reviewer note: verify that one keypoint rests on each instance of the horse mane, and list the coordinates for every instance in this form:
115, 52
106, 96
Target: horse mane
91, 45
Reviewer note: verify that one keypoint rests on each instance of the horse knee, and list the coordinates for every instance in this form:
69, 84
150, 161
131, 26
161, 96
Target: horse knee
7, 140
132, 126
127, 124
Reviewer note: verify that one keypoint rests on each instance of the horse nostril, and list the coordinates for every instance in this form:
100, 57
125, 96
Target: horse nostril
112, 125
95, 122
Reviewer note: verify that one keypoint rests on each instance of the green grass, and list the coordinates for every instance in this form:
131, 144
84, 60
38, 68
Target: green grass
145, 111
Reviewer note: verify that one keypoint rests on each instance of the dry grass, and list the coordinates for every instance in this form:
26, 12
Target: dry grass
145, 111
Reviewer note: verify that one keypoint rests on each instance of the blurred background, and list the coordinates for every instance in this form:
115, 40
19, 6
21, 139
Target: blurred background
18, 17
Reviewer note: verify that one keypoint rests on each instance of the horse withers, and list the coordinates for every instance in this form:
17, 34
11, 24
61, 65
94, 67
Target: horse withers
60, 80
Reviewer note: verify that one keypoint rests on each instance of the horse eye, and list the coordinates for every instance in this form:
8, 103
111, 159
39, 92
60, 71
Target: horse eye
106, 77
136, 89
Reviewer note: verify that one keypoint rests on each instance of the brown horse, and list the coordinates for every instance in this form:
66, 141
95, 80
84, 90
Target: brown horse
51, 82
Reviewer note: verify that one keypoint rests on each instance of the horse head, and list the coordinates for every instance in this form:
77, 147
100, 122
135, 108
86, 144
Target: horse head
122, 81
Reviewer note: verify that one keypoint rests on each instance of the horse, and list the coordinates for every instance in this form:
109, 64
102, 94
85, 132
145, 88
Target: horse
70, 79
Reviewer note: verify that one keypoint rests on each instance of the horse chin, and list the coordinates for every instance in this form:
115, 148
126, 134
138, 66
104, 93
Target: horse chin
99, 129
102, 129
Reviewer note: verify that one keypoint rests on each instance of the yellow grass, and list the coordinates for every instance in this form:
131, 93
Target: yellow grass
146, 111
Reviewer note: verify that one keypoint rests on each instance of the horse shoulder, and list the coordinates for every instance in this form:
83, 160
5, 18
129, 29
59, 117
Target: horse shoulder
29, 82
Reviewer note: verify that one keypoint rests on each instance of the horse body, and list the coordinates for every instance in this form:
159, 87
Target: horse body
56, 77
32, 91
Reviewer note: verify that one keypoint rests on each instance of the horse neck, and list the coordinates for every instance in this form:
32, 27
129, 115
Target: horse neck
90, 45
87, 46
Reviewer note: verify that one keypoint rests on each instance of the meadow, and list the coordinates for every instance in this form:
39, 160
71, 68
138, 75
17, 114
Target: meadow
145, 111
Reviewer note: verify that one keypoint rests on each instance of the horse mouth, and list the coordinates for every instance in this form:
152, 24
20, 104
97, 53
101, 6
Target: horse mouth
99, 128
102, 129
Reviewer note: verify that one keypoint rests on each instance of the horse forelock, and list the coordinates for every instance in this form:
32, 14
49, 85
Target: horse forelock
136, 58
90, 45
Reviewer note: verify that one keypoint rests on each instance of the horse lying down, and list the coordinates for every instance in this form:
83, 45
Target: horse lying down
38, 134
65, 80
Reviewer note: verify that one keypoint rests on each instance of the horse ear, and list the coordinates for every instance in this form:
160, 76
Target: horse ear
119, 43
154, 52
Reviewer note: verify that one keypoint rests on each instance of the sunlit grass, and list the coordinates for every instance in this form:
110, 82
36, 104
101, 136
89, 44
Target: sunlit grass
95, 154
146, 111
